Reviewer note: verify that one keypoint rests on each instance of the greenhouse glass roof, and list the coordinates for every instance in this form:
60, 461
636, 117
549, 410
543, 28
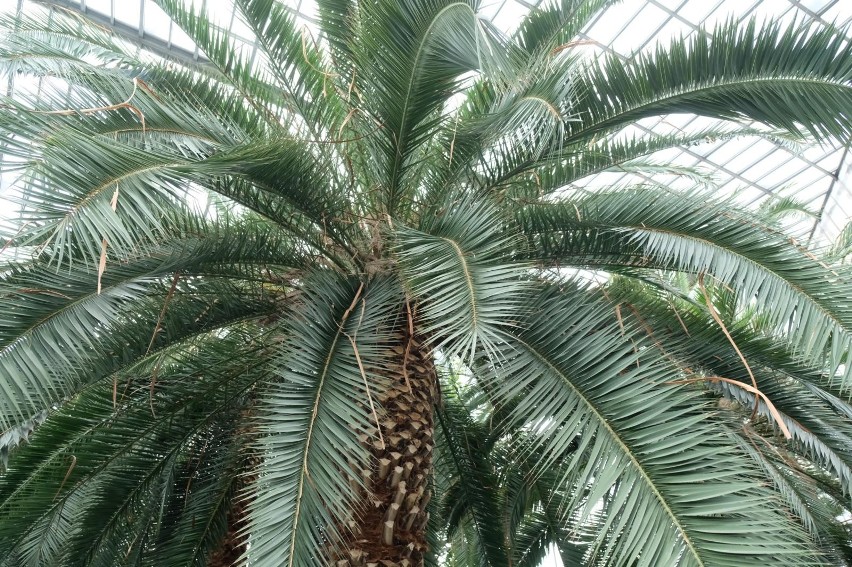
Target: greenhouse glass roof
760, 172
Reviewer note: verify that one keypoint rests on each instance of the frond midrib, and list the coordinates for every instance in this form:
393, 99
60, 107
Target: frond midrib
468, 277
160, 130
95, 192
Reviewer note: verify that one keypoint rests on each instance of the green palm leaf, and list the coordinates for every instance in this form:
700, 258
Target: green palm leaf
553, 24
58, 333
196, 518
309, 426
612, 398
102, 463
411, 57
811, 408
472, 496
455, 263
779, 76
805, 301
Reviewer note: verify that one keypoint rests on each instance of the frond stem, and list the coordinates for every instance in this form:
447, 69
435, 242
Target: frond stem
468, 278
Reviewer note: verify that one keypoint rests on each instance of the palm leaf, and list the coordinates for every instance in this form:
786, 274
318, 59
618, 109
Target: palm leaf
197, 516
455, 264
820, 433
338, 21
309, 422
293, 59
550, 26
572, 163
805, 301
410, 59
55, 44
472, 495
791, 78
691, 491
57, 332
229, 65
101, 463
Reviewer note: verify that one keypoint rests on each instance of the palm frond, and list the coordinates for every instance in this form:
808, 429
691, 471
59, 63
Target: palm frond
502, 124
800, 395
804, 498
310, 420
472, 493
536, 521
805, 299
795, 78
577, 380
67, 198
57, 332
101, 462
455, 263
55, 44
772, 210
17, 435
528, 178
410, 59
842, 247
550, 27
230, 66
339, 23
196, 518
811, 408
81, 216
295, 62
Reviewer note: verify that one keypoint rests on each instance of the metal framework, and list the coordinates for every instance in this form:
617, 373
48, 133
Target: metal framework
756, 171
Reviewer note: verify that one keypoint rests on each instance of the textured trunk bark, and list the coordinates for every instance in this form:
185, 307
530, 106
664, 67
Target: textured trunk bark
393, 530
233, 545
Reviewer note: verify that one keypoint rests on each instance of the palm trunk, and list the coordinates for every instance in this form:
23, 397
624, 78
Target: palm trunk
233, 545
392, 531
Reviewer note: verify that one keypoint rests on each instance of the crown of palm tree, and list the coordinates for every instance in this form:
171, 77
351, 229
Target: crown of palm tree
369, 341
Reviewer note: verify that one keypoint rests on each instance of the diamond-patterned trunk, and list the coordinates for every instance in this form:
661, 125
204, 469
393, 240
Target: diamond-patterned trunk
392, 531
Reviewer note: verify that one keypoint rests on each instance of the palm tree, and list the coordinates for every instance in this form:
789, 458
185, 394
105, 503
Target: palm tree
317, 305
